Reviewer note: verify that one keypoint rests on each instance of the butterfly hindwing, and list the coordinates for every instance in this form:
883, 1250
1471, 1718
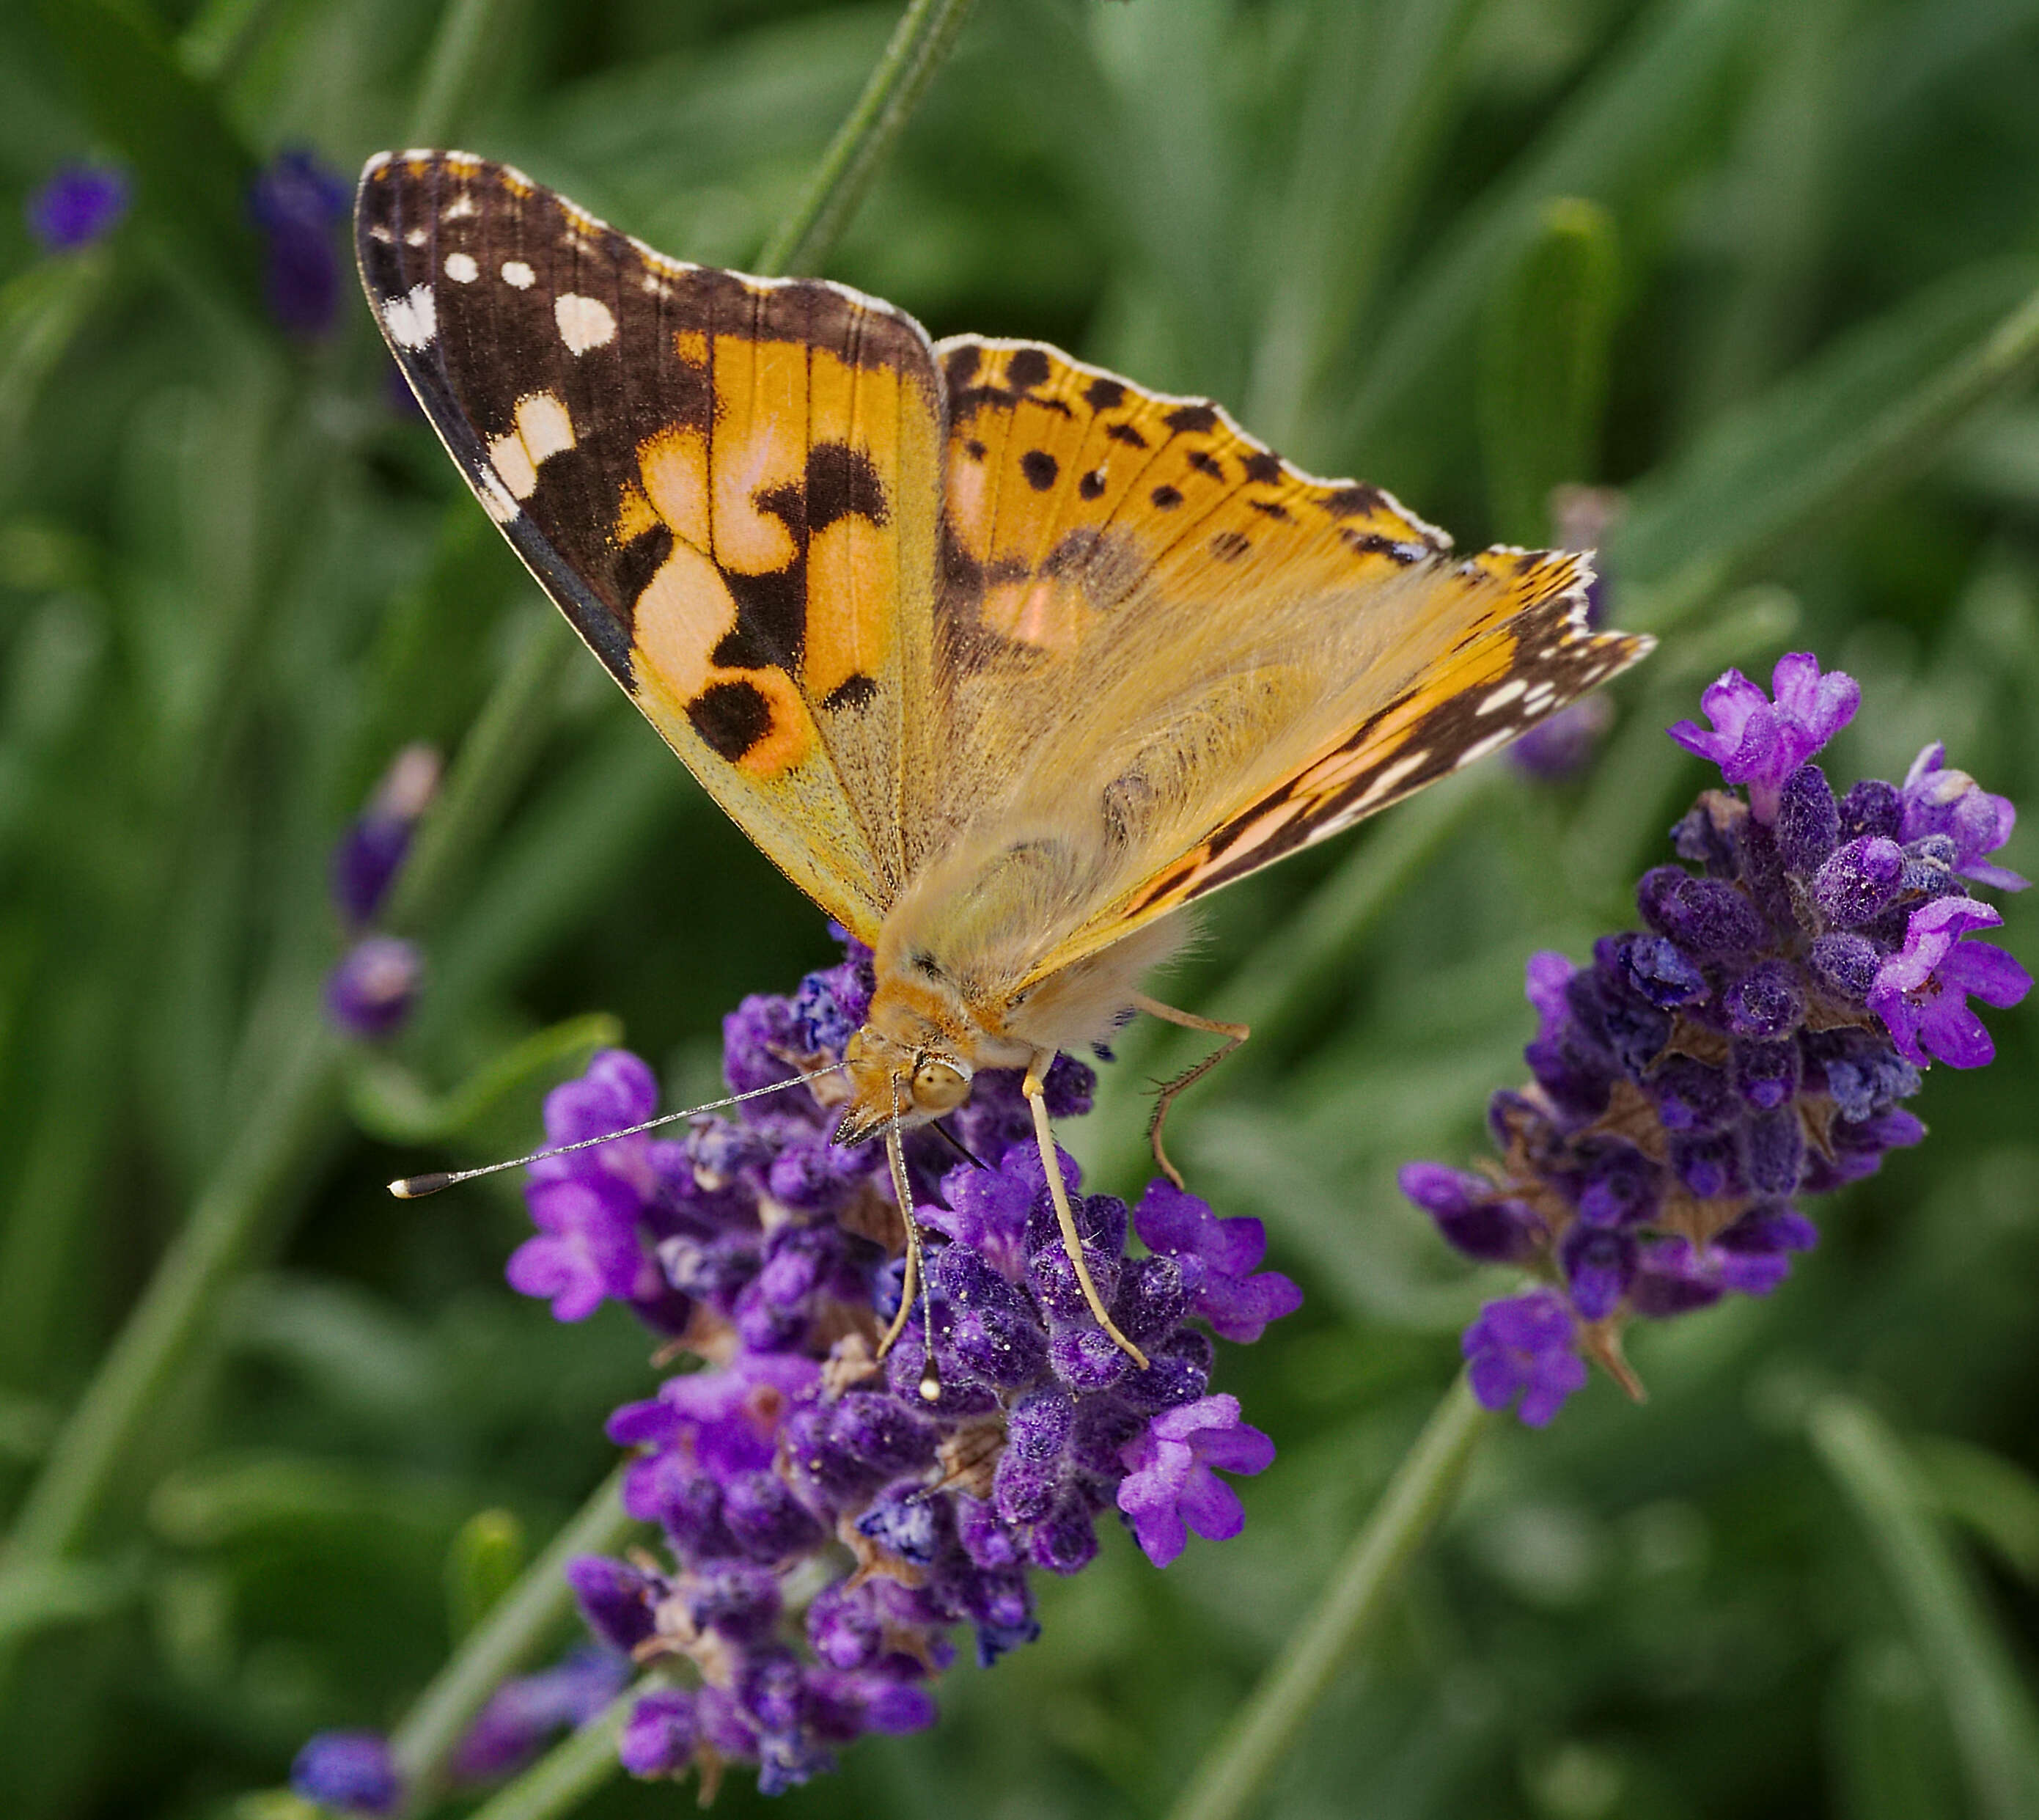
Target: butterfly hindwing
728, 484
1180, 658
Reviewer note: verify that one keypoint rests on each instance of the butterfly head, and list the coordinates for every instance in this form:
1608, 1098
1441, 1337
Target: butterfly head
896, 1081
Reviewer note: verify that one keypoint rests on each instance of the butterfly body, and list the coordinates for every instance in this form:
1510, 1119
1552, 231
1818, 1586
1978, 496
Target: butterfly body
1004, 659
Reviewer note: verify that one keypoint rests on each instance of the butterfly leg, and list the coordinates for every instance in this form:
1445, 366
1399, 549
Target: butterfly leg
916, 1279
1234, 1035
1037, 1098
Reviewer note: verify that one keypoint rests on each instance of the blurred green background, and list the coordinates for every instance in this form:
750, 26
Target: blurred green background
1771, 270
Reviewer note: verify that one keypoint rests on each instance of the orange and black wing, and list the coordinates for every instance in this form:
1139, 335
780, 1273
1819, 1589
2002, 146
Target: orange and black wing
730, 486
1168, 657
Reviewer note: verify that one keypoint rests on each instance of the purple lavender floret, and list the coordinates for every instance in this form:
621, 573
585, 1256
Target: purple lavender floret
773, 1255
1692, 1085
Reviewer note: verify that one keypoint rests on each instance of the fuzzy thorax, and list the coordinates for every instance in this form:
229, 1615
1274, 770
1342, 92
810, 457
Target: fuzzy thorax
934, 1022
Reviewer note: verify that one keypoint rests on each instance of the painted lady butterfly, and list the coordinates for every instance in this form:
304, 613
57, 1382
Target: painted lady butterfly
1001, 658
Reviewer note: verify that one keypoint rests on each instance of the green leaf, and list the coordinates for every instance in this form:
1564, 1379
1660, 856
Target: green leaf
1543, 361
35, 1596
1994, 1727
389, 1102
1996, 1498
1892, 1756
482, 1565
242, 1498
1614, 140
1831, 435
41, 311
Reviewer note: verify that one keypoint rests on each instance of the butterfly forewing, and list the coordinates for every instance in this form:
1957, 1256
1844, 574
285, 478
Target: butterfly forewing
728, 484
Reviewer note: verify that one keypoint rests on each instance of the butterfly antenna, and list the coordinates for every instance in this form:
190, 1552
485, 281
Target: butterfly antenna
416, 1187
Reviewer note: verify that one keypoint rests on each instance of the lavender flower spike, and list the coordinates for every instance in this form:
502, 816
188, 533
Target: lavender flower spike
1753, 1047
1761, 742
775, 1256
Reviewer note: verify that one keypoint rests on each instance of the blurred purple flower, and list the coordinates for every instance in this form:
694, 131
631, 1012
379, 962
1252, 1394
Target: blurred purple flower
297, 204
1524, 1347
350, 1772
76, 205
524, 1714
367, 857
370, 992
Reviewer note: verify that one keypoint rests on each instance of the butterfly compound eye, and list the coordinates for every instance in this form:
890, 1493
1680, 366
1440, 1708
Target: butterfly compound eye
938, 1087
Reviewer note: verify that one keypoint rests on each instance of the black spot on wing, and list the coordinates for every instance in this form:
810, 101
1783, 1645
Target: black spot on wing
1166, 497
639, 560
1353, 502
1229, 546
1263, 467
1103, 394
1206, 463
843, 483
852, 692
1192, 420
1126, 434
1027, 368
1091, 484
730, 717
1040, 468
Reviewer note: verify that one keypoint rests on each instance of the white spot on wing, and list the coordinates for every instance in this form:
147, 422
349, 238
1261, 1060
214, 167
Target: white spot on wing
460, 267
1496, 699
543, 423
1389, 778
511, 460
461, 207
415, 237
412, 319
1493, 742
517, 275
495, 500
544, 428
585, 322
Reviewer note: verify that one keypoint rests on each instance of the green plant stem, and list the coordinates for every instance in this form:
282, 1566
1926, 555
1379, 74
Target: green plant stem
495, 759
1988, 1709
558, 1782
516, 1626
231, 1218
922, 41
1236, 1769
468, 30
